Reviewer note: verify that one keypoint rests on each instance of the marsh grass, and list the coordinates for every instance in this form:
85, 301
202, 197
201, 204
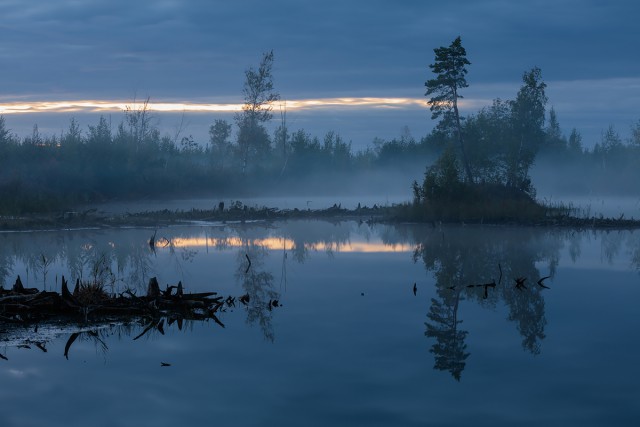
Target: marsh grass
480, 203
90, 293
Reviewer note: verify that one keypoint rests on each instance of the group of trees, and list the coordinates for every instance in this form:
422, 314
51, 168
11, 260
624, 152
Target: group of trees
130, 159
498, 144
497, 147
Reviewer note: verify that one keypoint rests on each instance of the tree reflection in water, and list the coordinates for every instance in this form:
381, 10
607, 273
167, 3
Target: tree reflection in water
465, 262
449, 348
481, 265
257, 284
260, 300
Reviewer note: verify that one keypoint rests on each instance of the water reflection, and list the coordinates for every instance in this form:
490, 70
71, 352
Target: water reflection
126, 256
120, 262
257, 283
113, 258
24, 323
493, 268
29, 336
461, 259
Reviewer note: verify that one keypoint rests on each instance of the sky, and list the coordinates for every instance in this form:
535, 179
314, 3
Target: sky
192, 54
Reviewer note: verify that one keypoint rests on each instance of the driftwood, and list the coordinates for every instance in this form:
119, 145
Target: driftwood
90, 302
89, 312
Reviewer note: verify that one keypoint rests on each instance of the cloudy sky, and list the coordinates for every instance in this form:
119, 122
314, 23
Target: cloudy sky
195, 52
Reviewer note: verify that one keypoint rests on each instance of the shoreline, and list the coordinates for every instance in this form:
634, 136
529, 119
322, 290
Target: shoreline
91, 219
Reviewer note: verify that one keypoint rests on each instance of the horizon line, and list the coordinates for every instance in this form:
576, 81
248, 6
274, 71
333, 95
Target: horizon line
106, 106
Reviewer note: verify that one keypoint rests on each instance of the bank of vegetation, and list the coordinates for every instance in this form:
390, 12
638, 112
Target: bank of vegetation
478, 167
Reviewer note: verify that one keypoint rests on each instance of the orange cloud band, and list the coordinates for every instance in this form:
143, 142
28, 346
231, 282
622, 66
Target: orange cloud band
89, 106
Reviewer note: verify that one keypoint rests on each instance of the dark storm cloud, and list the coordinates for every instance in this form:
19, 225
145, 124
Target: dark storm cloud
186, 48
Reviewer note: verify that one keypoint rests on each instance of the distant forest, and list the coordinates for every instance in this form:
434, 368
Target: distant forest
40, 173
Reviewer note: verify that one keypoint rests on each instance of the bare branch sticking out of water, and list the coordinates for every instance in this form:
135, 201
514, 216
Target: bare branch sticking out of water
248, 266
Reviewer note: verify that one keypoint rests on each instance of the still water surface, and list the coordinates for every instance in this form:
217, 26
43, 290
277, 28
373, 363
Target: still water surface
352, 344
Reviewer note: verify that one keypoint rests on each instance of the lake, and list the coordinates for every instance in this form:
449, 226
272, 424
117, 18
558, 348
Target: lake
374, 325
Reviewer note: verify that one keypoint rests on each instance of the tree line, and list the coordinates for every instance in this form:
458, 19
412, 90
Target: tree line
131, 159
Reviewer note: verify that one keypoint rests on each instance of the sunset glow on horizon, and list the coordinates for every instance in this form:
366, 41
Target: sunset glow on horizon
97, 106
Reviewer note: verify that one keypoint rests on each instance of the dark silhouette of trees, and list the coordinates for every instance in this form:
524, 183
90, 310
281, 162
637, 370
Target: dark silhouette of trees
555, 143
450, 69
5, 134
507, 135
504, 139
259, 95
487, 155
219, 138
73, 137
528, 112
635, 135
100, 134
496, 147
137, 127
574, 144
281, 138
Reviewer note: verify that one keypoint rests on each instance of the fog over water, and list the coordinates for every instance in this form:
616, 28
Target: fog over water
589, 106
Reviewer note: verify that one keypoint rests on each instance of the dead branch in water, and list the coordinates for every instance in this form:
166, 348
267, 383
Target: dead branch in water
89, 312
90, 301
248, 266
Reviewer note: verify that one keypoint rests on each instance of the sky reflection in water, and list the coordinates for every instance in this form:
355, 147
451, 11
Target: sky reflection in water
352, 344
